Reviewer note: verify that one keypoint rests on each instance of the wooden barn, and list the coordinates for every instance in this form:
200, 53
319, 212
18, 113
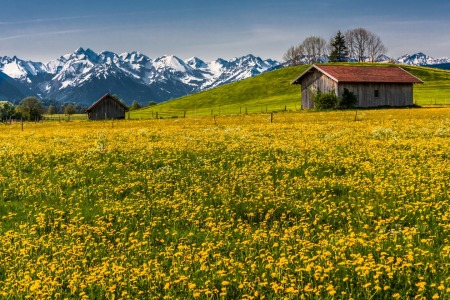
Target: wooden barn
373, 85
107, 107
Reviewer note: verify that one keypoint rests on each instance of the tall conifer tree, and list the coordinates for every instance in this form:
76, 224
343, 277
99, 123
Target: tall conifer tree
339, 51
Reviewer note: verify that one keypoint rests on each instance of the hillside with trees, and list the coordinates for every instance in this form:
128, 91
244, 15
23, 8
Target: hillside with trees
272, 91
357, 45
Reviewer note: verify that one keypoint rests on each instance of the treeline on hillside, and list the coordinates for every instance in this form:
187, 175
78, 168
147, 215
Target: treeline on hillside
32, 109
357, 44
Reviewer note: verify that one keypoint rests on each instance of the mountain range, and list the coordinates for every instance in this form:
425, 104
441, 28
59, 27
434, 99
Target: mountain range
421, 59
83, 76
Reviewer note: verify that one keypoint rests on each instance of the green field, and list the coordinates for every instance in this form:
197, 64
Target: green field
252, 95
436, 87
272, 91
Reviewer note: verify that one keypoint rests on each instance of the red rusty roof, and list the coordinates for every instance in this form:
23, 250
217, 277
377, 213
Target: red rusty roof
390, 74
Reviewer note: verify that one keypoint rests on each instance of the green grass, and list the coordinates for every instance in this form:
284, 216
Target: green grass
436, 87
272, 91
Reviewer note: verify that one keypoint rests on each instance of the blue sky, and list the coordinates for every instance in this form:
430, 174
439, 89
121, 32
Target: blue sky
42, 30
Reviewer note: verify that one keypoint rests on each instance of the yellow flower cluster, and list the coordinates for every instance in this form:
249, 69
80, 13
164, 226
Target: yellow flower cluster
312, 206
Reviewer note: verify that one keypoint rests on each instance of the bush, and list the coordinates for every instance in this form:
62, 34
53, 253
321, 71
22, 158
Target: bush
31, 108
327, 100
348, 100
7, 110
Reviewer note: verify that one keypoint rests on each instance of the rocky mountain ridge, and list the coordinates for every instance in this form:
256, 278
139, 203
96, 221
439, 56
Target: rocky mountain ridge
84, 75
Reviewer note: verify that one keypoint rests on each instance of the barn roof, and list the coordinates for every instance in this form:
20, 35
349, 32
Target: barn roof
107, 95
362, 74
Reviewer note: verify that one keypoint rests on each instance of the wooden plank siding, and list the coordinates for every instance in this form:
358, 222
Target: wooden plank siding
313, 82
373, 86
389, 94
107, 108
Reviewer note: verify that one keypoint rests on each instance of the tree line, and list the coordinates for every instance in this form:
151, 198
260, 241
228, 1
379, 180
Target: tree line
32, 109
357, 44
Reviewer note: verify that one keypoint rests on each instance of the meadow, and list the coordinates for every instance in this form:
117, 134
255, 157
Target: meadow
272, 91
316, 205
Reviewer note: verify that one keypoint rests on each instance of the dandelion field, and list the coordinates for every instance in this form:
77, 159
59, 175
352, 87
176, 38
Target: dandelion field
314, 205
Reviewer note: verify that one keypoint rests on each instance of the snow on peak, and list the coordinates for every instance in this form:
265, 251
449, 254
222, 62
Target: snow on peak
170, 61
19, 69
170, 76
196, 63
421, 59
79, 50
134, 57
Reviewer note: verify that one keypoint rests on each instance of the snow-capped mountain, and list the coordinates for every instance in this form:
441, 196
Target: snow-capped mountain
421, 59
83, 76
238, 69
12, 89
20, 69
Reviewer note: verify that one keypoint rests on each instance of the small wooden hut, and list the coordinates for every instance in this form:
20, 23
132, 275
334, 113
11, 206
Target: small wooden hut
372, 85
107, 107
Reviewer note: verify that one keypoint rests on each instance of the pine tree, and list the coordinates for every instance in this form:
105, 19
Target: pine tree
339, 51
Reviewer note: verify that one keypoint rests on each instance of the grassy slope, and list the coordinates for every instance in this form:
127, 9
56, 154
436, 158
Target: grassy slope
271, 89
436, 87
273, 92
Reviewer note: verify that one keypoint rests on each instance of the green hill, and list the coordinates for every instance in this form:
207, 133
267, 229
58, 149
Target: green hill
436, 87
272, 91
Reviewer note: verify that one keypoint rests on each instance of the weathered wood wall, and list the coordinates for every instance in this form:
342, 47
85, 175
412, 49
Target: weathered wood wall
389, 94
107, 109
312, 82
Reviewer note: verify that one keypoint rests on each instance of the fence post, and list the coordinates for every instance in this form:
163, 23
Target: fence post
156, 115
271, 117
285, 108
